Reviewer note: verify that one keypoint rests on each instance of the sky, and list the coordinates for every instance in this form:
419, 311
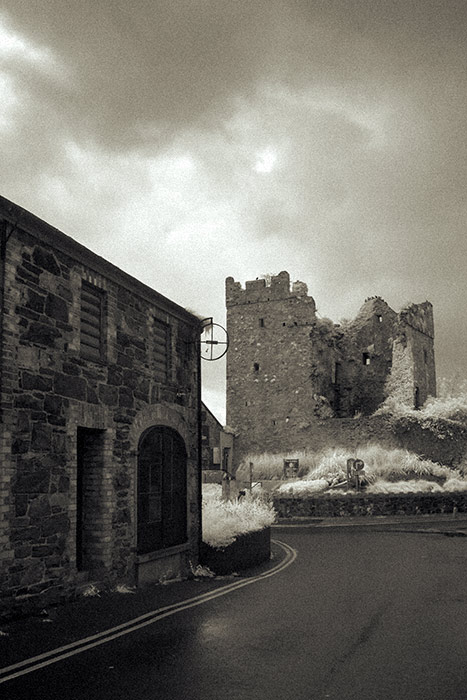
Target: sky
191, 140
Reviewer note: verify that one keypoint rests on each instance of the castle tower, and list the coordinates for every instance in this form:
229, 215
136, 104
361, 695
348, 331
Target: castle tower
269, 387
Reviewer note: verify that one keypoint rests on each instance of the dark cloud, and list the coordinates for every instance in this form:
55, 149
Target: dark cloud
327, 138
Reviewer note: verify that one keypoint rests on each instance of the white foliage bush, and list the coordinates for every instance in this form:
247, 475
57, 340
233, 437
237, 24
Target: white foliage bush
224, 521
450, 408
455, 484
412, 486
305, 487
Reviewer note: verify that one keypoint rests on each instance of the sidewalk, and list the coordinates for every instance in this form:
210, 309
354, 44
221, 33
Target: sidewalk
440, 523
85, 616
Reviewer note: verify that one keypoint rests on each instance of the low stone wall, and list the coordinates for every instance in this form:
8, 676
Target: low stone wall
330, 506
246, 551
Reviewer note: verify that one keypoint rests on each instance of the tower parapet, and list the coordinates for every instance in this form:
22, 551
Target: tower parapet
260, 290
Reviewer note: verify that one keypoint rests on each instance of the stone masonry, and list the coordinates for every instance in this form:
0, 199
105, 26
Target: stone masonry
90, 359
290, 373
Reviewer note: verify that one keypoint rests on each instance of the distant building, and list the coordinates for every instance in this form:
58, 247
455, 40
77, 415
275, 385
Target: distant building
289, 371
99, 432
216, 443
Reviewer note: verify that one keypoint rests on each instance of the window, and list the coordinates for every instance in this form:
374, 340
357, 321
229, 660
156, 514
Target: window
92, 345
380, 319
366, 358
417, 404
261, 322
226, 458
162, 492
161, 350
335, 373
205, 433
256, 367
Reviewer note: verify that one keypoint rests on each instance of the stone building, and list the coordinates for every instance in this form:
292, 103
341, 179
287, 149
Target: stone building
289, 372
100, 441
216, 444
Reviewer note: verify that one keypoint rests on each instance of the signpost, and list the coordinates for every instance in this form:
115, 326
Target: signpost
291, 468
354, 472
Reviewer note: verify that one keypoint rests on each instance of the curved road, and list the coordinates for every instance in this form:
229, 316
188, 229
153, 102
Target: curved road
361, 613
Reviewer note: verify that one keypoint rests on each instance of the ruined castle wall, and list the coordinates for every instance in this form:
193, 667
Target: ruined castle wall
419, 328
367, 358
290, 373
413, 374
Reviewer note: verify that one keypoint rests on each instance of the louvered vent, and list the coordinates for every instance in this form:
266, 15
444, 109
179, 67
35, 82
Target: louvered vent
92, 322
161, 350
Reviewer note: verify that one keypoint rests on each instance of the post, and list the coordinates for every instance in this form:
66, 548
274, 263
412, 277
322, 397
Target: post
226, 487
350, 466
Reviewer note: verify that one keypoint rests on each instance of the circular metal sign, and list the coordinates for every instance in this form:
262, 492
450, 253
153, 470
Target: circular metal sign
214, 342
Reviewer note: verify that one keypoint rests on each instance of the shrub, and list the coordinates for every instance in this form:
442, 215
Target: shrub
380, 463
412, 486
386, 471
305, 487
223, 521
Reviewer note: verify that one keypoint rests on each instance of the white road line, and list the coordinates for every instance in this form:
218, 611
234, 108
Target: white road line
53, 656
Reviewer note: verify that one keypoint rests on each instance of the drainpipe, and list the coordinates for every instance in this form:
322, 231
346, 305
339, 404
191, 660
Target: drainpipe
200, 460
5, 233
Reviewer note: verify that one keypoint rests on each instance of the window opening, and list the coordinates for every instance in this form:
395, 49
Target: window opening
425, 356
92, 322
261, 322
256, 367
380, 319
335, 378
366, 358
225, 458
417, 398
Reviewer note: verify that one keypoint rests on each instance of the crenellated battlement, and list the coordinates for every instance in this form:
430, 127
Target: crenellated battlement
260, 290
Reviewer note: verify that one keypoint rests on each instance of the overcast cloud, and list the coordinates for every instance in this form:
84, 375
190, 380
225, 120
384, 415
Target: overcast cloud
190, 140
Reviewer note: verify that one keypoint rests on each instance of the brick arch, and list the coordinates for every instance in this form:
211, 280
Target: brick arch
158, 414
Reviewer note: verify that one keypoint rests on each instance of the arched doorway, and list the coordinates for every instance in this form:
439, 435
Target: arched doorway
162, 491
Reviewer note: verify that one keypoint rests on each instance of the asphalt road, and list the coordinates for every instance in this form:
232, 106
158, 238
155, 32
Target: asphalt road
361, 613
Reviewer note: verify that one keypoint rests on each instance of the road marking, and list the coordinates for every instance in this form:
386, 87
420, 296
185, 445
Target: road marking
54, 655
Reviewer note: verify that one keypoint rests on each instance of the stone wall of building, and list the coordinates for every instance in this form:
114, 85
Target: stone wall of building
289, 372
216, 444
65, 405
